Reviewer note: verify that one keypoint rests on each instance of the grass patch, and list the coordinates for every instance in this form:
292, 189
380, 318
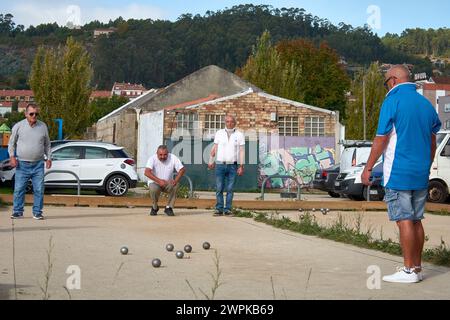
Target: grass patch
341, 231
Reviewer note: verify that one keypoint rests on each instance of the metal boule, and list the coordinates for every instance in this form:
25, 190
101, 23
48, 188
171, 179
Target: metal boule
188, 248
180, 254
170, 247
156, 263
206, 246
124, 250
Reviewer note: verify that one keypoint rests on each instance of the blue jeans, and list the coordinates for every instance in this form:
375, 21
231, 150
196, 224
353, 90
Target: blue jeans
225, 179
24, 172
406, 205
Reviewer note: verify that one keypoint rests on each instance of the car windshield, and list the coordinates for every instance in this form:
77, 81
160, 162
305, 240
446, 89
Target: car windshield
439, 138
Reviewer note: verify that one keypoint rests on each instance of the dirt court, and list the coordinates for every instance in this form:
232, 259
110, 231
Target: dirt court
256, 261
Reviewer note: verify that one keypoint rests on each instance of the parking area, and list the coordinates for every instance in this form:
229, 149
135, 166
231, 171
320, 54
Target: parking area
256, 261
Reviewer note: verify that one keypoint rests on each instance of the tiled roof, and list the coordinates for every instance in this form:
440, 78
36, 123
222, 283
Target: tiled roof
128, 86
101, 94
194, 102
434, 86
16, 93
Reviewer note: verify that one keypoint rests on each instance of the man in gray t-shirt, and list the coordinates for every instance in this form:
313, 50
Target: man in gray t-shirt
29, 147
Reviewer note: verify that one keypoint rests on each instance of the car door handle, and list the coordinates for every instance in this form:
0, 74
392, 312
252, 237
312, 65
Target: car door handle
110, 165
75, 166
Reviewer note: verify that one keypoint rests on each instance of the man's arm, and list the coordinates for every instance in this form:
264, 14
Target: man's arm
379, 145
212, 158
12, 146
179, 175
48, 150
433, 148
149, 174
240, 171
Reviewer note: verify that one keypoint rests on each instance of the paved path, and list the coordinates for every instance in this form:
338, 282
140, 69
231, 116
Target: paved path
251, 254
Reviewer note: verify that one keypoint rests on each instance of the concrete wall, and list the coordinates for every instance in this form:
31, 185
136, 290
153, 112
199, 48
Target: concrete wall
150, 138
125, 125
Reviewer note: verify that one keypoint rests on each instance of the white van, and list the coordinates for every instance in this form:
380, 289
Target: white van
354, 154
438, 189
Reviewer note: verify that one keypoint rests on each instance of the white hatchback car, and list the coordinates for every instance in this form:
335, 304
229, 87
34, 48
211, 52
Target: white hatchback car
103, 167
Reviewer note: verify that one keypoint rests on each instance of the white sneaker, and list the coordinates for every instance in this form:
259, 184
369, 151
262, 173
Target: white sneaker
401, 276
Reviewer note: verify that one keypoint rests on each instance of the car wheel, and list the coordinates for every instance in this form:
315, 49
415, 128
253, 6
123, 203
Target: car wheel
117, 186
437, 192
377, 197
334, 194
356, 198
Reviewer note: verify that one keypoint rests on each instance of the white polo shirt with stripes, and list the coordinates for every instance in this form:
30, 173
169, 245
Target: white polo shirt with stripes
164, 170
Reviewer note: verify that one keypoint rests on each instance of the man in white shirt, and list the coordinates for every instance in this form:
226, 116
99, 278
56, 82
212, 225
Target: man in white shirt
228, 157
159, 169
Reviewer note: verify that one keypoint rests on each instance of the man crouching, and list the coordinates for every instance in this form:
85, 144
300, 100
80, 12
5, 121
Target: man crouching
160, 168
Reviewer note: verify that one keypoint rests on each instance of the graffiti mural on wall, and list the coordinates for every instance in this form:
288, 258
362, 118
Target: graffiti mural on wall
300, 157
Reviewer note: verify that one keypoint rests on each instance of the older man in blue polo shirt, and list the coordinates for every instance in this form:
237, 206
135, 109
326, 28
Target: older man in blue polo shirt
406, 137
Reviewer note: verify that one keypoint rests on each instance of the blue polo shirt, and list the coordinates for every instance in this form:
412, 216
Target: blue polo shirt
409, 120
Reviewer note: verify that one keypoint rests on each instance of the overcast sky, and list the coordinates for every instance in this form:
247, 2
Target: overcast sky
383, 15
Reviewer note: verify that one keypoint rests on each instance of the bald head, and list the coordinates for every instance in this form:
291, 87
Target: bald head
396, 75
400, 72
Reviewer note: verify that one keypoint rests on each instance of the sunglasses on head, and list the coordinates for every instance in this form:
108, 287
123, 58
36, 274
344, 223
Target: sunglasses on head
32, 114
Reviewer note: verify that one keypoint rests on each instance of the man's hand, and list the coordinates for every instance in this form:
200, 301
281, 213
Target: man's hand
13, 162
163, 183
173, 183
240, 171
211, 166
365, 177
48, 164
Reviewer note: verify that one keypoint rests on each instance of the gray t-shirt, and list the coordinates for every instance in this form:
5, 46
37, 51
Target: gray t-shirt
30, 143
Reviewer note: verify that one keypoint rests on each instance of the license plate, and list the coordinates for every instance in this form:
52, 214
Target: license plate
373, 192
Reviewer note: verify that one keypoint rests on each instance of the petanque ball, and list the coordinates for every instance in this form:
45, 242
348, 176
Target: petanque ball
206, 246
180, 254
170, 247
156, 263
124, 250
188, 249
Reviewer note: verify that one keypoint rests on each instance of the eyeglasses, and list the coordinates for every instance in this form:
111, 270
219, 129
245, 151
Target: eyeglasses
386, 82
32, 114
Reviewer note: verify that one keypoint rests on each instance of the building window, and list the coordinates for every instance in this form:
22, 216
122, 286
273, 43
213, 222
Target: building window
213, 123
187, 124
315, 127
288, 126
447, 107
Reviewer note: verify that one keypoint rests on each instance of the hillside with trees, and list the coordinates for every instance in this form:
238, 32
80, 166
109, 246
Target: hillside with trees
157, 53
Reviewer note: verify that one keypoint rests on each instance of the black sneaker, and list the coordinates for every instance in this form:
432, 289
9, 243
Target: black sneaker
154, 212
228, 213
169, 212
38, 217
16, 216
218, 213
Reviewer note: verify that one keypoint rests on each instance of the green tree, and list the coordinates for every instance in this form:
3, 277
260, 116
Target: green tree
103, 106
60, 78
13, 118
375, 94
15, 106
265, 70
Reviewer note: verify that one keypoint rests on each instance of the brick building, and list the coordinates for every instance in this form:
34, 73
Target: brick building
283, 136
